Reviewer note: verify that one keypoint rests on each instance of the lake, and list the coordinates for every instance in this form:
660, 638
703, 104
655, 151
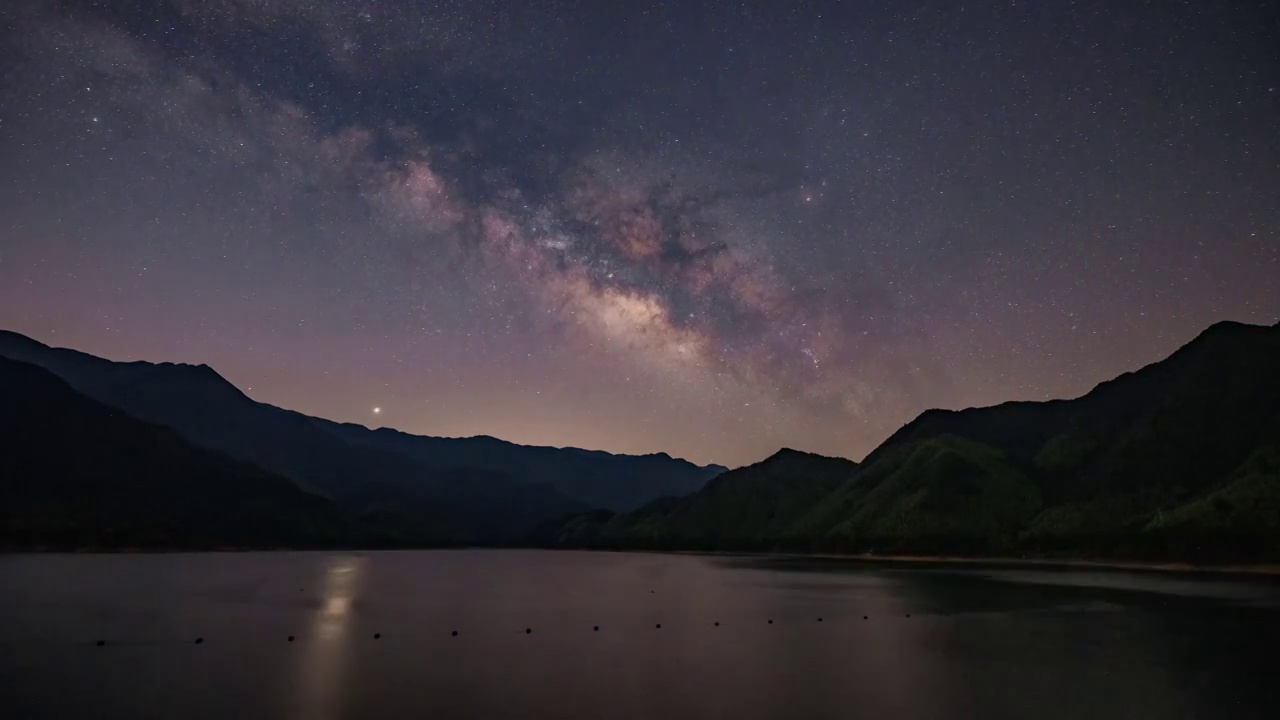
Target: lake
679, 636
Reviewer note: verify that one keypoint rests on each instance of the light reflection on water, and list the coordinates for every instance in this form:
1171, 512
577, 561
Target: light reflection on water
1186, 585
322, 664
893, 642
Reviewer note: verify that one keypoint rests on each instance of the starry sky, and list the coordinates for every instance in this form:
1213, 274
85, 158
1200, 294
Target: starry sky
711, 229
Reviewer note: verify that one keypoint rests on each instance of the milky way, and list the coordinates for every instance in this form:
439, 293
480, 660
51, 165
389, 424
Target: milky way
711, 231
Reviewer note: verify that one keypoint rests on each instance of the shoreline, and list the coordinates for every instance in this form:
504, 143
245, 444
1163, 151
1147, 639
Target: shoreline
1257, 569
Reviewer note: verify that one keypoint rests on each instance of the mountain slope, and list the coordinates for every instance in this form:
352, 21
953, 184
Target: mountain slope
1178, 460
1237, 518
464, 490
596, 478
1085, 476
742, 509
1220, 387
944, 494
75, 473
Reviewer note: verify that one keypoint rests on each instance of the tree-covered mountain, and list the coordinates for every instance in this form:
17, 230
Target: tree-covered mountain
75, 473
1180, 459
742, 509
421, 489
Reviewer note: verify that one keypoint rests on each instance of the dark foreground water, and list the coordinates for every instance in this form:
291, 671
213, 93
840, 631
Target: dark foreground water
847, 640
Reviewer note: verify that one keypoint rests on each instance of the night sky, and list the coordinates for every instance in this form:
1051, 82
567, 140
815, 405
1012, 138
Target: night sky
701, 228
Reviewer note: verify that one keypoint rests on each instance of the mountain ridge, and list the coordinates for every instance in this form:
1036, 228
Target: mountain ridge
464, 488
1176, 460
10, 336
1179, 459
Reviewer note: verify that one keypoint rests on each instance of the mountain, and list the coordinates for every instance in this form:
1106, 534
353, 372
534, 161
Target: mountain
742, 509
596, 478
1178, 460
428, 489
75, 473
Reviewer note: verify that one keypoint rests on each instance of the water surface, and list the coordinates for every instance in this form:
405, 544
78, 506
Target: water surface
847, 639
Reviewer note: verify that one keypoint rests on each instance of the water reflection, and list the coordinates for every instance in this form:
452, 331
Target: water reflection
322, 665
973, 646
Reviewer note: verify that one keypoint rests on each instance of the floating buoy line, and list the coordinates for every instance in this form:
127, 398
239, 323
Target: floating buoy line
199, 639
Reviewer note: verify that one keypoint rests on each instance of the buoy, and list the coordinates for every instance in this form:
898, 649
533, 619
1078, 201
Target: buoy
819, 619
595, 628
377, 636
864, 617
770, 621
717, 623
528, 630
101, 643
290, 638
658, 626
454, 633
199, 640
908, 614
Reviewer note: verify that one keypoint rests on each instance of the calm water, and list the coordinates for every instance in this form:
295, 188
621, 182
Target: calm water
936, 642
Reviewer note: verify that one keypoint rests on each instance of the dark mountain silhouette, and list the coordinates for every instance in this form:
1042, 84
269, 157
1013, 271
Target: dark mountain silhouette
75, 473
742, 509
1178, 460
596, 478
424, 489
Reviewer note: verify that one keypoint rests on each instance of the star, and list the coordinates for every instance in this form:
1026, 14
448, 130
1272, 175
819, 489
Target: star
639, 249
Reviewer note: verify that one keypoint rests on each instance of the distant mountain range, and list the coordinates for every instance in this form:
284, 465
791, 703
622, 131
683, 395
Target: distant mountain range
1177, 461
396, 488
